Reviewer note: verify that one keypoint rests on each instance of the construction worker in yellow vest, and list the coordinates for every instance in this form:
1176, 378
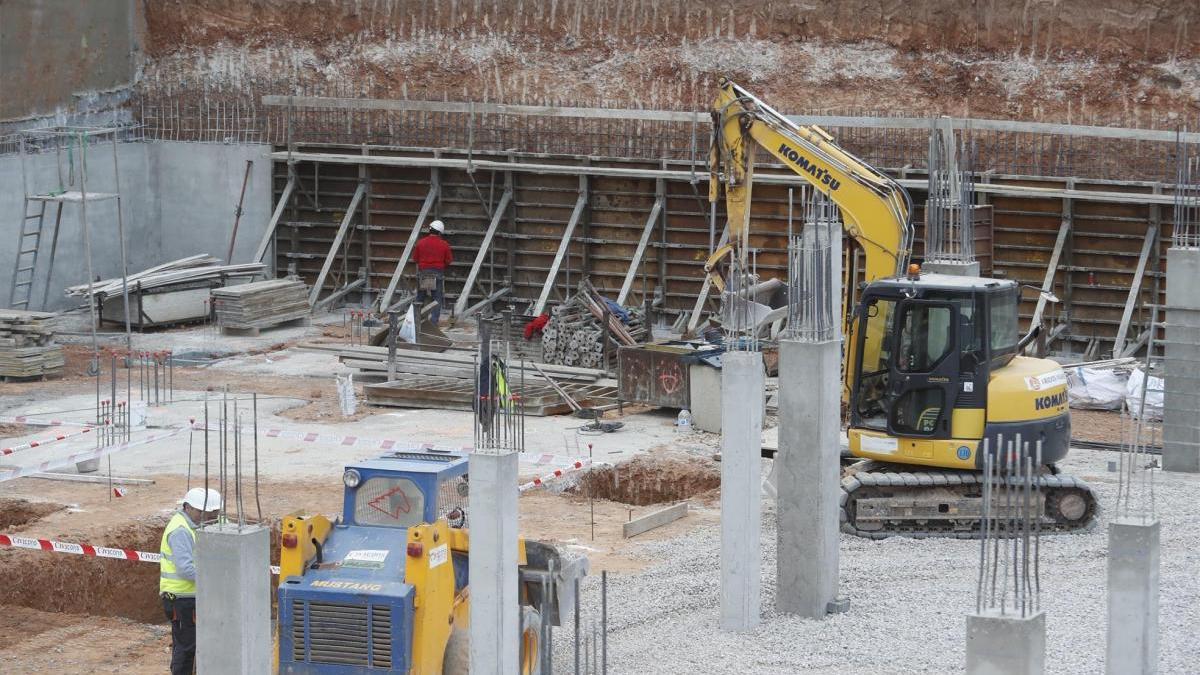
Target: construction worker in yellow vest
177, 574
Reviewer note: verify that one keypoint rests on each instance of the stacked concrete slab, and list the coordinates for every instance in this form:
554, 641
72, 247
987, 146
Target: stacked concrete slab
1181, 400
27, 347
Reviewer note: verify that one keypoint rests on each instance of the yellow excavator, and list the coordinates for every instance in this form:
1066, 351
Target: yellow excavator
931, 363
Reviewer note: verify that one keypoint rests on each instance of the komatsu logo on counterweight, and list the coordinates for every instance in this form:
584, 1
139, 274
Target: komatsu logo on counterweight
819, 175
1053, 401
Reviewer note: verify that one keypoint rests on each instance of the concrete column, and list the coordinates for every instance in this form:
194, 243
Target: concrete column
808, 475
1181, 400
742, 391
1006, 644
233, 600
493, 563
1132, 597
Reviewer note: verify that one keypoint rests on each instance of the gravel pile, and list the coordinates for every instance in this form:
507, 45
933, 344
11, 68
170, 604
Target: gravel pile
908, 600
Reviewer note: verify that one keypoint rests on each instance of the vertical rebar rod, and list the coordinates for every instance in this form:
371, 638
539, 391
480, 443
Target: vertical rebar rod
577, 625
604, 621
1037, 536
254, 412
983, 527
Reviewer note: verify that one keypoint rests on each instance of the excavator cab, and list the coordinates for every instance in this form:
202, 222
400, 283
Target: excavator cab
926, 349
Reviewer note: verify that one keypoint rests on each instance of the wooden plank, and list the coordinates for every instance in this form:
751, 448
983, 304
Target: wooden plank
1135, 289
827, 121
337, 242
269, 234
631, 274
655, 519
465, 296
431, 198
764, 178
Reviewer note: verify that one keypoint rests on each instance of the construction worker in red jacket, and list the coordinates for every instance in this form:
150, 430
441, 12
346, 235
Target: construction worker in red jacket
433, 256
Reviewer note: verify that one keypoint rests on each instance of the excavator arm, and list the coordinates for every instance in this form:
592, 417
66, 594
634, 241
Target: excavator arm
876, 210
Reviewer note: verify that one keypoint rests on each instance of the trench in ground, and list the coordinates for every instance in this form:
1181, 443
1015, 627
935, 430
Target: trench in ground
74, 584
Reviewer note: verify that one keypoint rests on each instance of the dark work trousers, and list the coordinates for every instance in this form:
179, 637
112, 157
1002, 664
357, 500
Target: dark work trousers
181, 612
435, 295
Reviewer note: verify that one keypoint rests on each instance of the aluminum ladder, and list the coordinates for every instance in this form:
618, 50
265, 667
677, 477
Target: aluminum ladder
28, 243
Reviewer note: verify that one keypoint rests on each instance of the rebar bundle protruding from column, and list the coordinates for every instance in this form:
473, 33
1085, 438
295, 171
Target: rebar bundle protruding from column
499, 410
230, 425
949, 211
814, 272
1186, 233
1009, 578
1135, 482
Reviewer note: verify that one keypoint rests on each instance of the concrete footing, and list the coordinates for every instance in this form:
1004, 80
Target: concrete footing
958, 269
1181, 372
808, 476
493, 563
1132, 597
1006, 644
742, 386
233, 600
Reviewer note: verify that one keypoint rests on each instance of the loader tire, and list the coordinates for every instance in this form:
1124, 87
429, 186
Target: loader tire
457, 659
531, 641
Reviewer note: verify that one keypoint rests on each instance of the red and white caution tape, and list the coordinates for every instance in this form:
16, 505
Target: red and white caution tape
557, 473
77, 549
60, 462
44, 441
85, 549
24, 419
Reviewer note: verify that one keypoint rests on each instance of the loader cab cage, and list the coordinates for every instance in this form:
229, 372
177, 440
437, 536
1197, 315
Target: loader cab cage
404, 489
927, 347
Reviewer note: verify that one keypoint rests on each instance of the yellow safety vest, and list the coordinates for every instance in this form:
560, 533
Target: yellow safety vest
169, 580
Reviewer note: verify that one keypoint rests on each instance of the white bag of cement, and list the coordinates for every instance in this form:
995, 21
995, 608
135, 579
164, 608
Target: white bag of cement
1154, 395
408, 329
1095, 388
345, 389
137, 415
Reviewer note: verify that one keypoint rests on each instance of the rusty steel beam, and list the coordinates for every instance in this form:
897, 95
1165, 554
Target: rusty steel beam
465, 295
337, 241
430, 200
563, 247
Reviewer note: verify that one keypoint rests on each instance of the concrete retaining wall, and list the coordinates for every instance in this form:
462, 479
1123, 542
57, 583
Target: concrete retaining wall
178, 199
61, 55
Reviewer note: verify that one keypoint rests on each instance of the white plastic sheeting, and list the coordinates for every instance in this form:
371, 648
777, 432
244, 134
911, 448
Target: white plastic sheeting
1154, 395
1095, 388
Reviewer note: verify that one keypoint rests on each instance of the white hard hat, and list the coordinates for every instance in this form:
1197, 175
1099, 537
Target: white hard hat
437, 225
196, 498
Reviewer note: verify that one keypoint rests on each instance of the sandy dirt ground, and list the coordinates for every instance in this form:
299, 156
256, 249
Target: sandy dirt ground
104, 615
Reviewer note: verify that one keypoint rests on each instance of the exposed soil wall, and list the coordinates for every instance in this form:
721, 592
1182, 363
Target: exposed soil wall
1133, 62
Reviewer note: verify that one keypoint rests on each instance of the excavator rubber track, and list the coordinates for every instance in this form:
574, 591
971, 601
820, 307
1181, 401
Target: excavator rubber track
881, 500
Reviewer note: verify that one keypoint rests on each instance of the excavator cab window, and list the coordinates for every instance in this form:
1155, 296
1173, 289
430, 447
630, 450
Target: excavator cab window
927, 336
878, 342
1002, 320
